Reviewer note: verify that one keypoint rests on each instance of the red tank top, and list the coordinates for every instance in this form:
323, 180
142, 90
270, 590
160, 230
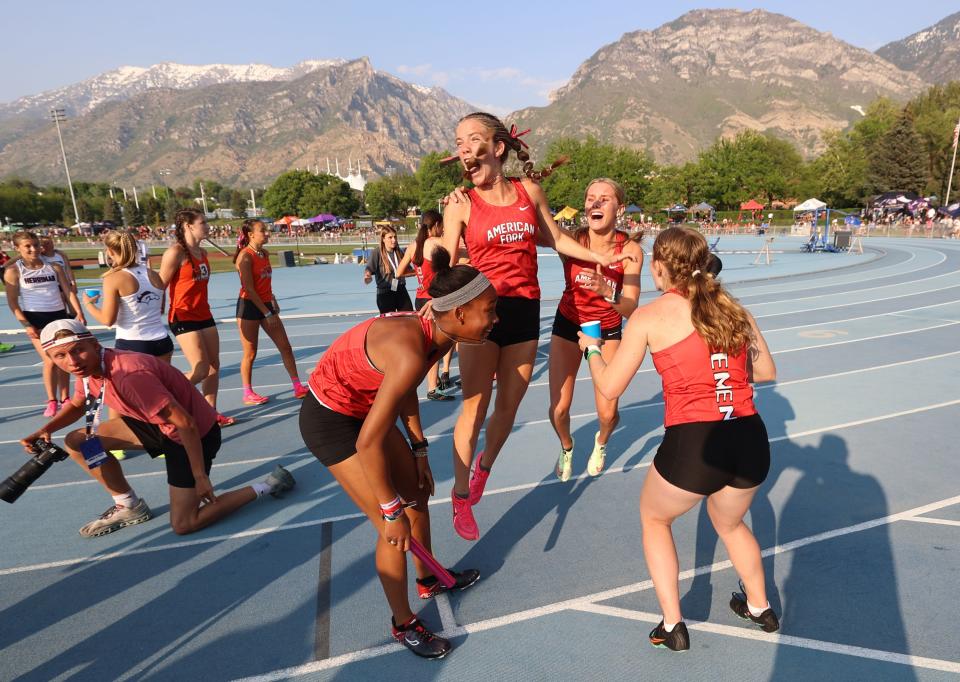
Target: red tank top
582, 305
502, 242
262, 276
700, 386
188, 292
424, 277
344, 379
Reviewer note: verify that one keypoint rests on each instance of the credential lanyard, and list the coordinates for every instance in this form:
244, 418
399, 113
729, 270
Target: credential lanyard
93, 405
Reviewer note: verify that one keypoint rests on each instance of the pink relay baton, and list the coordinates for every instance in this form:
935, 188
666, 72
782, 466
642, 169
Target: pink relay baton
442, 574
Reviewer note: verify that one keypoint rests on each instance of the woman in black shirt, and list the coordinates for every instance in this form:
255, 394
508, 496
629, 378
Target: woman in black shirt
392, 293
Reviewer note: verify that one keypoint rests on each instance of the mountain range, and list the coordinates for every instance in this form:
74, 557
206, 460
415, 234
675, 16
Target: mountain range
672, 91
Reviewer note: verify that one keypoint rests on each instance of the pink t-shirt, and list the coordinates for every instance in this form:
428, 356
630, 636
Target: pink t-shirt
141, 386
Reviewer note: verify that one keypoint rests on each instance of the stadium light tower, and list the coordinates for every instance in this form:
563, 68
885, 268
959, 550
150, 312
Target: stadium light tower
58, 116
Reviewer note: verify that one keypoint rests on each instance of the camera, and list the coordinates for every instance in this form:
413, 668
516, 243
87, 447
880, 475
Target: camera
44, 455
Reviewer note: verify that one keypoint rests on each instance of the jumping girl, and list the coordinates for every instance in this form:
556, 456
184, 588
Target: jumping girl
36, 292
707, 349
384, 267
419, 252
501, 225
185, 269
257, 307
592, 293
364, 382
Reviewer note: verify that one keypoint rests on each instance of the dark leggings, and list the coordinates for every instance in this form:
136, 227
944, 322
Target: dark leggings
393, 301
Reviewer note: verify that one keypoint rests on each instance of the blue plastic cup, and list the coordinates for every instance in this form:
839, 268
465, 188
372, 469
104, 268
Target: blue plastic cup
591, 329
93, 293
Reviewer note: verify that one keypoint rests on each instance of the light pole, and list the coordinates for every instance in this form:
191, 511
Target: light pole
59, 115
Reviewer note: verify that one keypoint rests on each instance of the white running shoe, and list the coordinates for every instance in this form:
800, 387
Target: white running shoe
565, 463
597, 457
280, 481
115, 518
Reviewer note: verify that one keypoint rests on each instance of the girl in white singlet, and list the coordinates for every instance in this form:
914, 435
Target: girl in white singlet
36, 291
132, 300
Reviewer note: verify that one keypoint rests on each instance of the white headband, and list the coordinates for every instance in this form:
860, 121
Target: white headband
464, 294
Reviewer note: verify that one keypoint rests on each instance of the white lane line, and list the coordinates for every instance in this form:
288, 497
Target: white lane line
864, 338
514, 488
586, 600
627, 408
942, 522
853, 290
849, 304
240, 462
789, 640
860, 317
447, 620
293, 526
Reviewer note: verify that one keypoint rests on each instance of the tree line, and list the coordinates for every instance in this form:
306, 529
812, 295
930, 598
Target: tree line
892, 147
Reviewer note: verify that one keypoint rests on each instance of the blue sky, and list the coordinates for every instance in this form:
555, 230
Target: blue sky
501, 55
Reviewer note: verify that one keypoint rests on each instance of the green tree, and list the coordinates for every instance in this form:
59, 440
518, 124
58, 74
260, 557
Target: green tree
111, 211
152, 210
898, 162
590, 159
133, 215
391, 195
237, 202
935, 113
305, 194
435, 181
750, 166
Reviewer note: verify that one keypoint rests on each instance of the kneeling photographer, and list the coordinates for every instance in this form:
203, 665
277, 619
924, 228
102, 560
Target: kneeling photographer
160, 412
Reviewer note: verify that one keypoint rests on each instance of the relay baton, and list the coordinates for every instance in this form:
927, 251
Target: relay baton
442, 574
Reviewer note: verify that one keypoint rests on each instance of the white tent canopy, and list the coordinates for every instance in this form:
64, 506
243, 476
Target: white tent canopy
809, 205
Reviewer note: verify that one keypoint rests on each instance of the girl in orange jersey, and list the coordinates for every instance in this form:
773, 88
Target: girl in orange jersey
257, 307
185, 269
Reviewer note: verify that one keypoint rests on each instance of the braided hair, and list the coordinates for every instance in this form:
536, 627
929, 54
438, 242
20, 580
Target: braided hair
512, 141
184, 217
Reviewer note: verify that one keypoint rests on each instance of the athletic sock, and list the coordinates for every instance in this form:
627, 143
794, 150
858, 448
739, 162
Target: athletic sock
262, 488
296, 382
669, 626
754, 611
127, 500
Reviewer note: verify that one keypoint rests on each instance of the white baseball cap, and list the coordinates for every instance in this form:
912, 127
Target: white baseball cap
48, 335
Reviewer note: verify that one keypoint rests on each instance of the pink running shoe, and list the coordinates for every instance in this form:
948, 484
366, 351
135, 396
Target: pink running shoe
224, 420
252, 398
300, 391
51, 408
463, 521
478, 481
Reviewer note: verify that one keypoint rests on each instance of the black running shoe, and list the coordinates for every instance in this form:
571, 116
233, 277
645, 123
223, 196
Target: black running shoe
767, 620
677, 640
419, 640
437, 395
431, 587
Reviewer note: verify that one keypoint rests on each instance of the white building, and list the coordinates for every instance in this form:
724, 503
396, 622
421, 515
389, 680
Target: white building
354, 176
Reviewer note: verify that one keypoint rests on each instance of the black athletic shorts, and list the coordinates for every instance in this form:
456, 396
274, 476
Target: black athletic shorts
567, 329
179, 472
518, 320
155, 347
704, 457
179, 327
246, 310
38, 320
329, 435
389, 301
